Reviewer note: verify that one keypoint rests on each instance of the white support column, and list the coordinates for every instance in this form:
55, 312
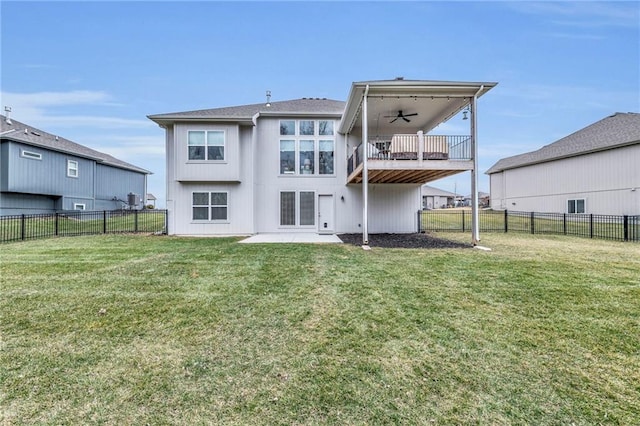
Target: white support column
365, 171
475, 223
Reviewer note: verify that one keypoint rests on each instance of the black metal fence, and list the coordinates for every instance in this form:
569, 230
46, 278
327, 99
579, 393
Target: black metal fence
69, 223
607, 227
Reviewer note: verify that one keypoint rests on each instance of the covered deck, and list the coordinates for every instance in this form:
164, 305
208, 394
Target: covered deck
397, 131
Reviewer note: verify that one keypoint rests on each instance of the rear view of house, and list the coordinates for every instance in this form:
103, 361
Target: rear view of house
316, 165
45, 173
594, 170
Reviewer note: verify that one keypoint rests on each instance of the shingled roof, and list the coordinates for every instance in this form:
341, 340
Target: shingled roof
304, 106
20, 132
617, 130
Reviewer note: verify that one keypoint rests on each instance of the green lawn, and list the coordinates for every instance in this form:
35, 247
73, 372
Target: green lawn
133, 330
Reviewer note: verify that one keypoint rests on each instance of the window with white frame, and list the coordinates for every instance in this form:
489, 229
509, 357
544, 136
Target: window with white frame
79, 206
72, 168
209, 206
576, 206
31, 155
297, 208
307, 147
206, 145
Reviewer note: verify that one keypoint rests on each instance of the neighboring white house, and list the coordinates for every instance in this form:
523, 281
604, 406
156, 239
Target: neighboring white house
300, 166
436, 198
594, 170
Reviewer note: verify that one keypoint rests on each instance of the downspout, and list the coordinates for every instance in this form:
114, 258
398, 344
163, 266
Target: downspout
365, 172
475, 223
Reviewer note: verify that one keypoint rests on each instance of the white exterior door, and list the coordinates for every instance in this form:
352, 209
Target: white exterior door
325, 214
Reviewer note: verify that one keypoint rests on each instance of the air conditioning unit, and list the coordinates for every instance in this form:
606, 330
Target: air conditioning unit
133, 199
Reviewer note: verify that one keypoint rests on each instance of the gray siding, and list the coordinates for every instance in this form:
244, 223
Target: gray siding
608, 181
12, 204
113, 182
42, 185
47, 176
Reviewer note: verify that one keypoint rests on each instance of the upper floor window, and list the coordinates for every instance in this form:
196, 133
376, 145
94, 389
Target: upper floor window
308, 148
72, 168
206, 145
31, 155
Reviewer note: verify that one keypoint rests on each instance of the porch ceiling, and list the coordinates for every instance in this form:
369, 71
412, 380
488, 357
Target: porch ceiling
434, 102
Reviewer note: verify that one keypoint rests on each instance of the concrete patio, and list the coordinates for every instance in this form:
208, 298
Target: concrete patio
293, 238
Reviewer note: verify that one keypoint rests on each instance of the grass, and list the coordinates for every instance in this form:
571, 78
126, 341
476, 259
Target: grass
584, 225
14, 228
121, 329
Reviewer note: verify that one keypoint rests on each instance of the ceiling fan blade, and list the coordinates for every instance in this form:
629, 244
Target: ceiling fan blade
406, 119
409, 115
393, 120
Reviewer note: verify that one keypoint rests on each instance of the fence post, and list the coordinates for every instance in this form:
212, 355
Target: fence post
22, 228
625, 227
506, 221
419, 221
104, 221
55, 227
591, 225
533, 226
135, 215
462, 211
564, 223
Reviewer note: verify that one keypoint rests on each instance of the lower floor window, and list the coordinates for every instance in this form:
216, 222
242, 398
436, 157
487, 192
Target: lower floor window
575, 206
79, 206
297, 208
209, 206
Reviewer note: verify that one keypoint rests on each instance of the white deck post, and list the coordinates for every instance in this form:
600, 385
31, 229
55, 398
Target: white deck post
475, 223
365, 171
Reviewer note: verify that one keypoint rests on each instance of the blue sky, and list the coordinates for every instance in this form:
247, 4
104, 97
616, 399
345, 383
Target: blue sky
92, 71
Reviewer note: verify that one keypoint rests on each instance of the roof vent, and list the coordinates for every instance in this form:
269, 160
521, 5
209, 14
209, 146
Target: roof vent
35, 133
268, 104
7, 111
399, 78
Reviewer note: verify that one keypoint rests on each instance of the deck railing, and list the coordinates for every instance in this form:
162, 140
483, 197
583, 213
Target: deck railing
69, 223
413, 147
607, 227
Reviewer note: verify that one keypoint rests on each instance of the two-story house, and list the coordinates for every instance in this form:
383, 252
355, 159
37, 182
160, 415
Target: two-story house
317, 165
44, 173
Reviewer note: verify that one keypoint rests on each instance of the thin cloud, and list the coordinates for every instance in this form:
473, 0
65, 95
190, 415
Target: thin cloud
584, 14
35, 108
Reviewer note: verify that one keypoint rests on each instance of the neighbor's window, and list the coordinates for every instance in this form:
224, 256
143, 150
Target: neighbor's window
78, 206
304, 152
210, 206
206, 145
72, 168
31, 155
576, 206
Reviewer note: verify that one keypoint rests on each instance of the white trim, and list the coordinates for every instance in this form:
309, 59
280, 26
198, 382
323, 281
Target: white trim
77, 205
297, 138
296, 207
206, 146
30, 155
575, 205
209, 206
76, 169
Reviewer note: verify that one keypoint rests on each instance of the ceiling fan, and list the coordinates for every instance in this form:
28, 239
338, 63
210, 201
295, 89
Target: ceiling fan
400, 115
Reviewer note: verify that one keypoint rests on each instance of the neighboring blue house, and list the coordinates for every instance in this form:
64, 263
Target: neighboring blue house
45, 173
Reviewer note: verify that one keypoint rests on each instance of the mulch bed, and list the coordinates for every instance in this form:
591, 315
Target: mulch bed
419, 241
